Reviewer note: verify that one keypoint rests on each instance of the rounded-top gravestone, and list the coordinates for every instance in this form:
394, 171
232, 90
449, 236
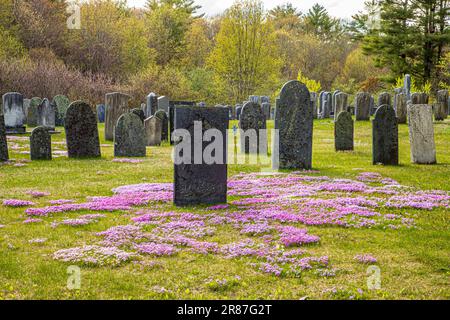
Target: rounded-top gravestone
62, 103
140, 113
153, 130
46, 114
165, 124
343, 132
253, 120
362, 106
384, 99
340, 105
129, 136
152, 105
40, 144
419, 98
32, 115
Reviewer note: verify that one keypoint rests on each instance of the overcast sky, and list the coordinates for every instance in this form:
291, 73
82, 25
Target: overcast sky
338, 8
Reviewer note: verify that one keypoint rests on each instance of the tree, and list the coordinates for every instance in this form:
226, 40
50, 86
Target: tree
245, 58
187, 6
318, 22
286, 17
365, 21
198, 44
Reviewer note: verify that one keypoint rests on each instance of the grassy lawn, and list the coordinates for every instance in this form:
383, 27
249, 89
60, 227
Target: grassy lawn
414, 262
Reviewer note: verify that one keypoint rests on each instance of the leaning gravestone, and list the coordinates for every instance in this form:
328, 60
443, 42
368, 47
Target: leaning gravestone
252, 120
129, 136
401, 110
40, 144
101, 113
165, 124
384, 99
13, 112
116, 104
343, 132
362, 106
201, 167
81, 131
46, 114
62, 103
3, 142
419, 98
340, 103
163, 104
32, 115
152, 105
385, 136
421, 134
440, 107
294, 120
139, 113
153, 130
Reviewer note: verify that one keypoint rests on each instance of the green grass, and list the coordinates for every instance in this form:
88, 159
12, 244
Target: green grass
415, 263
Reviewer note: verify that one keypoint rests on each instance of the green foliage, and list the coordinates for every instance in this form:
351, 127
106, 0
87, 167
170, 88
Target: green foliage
312, 85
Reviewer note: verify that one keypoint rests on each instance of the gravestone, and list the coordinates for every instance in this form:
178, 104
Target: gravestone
171, 123
373, 107
152, 105
421, 134
384, 99
199, 179
314, 104
32, 116
101, 113
343, 132
440, 107
294, 120
162, 115
46, 114
139, 113
153, 130
340, 103
13, 112
264, 99
385, 136
116, 104
407, 87
321, 98
362, 106
163, 104
325, 109
129, 136
62, 104
81, 131
40, 144
251, 121
419, 98
26, 106
266, 110
333, 100
238, 111
401, 110
254, 99
201, 104
3, 142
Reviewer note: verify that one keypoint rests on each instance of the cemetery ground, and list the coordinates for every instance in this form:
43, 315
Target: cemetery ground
412, 253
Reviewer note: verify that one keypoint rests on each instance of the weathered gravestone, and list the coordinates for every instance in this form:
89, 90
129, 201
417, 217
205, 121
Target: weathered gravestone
40, 144
163, 104
153, 130
32, 116
385, 136
252, 120
254, 99
407, 87
266, 110
152, 105
440, 107
326, 104
46, 114
373, 107
13, 112
81, 131
419, 98
421, 134
165, 124
139, 113
116, 104
400, 105
62, 104
384, 99
294, 120
129, 136
333, 100
314, 104
341, 99
101, 113
200, 156
238, 111
343, 132
26, 106
3, 142
362, 106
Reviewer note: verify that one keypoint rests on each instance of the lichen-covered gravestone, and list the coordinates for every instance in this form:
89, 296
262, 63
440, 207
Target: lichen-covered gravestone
294, 120
343, 132
81, 131
153, 131
163, 104
341, 103
40, 144
46, 114
440, 107
62, 103
253, 120
384, 99
401, 110
152, 105
139, 113
3, 142
385, 136
13, 112
201, 161
32, 116
421, 134
129, 136
362, 106
101, 113
419, 98
165, 124
116, 104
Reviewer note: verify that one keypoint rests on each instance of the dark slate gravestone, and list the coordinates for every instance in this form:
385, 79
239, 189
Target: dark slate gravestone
32, 116
171, 123
385, 136
139, 113
165, 124
3, 142
152, 105
40, 144
116, 104
400, 106
362, 106
384, 99
314, 104
440, 107
153, 131
13, 112
266, 110
251, 121
101, 113
81, 131
343, 132
129, 136
46, 114
62, 103
201, 179
163, 104
340, 104
419, 98
294, 120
